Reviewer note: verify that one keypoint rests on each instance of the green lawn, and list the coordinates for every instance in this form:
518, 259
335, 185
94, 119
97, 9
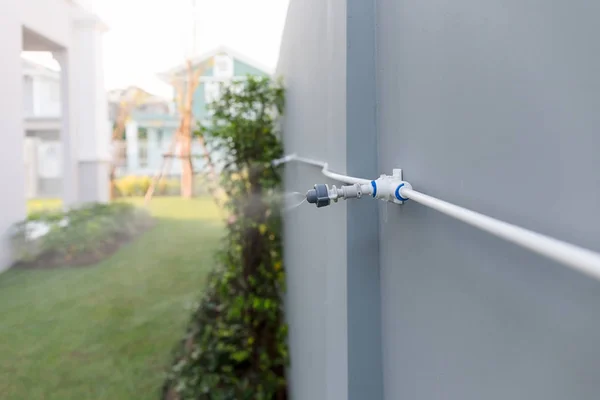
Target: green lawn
106, 331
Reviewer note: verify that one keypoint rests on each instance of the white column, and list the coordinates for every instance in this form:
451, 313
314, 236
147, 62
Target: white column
153, 150
131, 137
31, 167
68, 133
90, 109
12, 163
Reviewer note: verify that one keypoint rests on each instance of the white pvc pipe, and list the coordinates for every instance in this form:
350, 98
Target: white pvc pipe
343, 178
576, 257
325, 169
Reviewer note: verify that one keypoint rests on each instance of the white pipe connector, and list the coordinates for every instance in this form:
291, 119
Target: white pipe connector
322, 195
386, 188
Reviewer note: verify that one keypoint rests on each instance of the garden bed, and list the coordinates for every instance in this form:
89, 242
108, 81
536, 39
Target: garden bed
78, 237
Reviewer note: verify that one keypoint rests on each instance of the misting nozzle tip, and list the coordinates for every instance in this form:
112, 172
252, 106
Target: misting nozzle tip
311, 196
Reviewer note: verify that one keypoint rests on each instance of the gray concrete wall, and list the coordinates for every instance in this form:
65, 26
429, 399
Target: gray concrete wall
493, 106
315, 259
489, 105
365, 379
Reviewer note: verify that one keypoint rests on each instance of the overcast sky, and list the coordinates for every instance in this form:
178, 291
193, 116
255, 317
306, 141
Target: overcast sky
150, 36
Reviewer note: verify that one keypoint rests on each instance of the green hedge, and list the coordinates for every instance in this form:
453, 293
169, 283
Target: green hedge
133, 186
77, 237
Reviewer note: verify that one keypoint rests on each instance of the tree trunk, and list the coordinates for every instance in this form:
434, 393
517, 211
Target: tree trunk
187, 169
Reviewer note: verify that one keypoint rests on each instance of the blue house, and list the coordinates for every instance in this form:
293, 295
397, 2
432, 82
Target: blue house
150, 130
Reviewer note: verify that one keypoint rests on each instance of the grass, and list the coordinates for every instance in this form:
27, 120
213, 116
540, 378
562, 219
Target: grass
107, 331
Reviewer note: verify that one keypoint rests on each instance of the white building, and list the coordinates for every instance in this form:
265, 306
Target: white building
42, 124
74, 36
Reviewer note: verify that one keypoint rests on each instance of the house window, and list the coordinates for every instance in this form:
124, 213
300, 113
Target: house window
143, 153
119, 151
143, 147
223, 67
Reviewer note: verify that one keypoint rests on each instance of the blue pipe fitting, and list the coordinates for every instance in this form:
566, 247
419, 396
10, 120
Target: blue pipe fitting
397, 193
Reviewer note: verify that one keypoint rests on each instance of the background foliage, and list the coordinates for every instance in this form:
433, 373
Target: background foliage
235, 345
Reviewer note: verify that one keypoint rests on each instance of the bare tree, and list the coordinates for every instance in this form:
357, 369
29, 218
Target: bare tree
186, 102
185, 87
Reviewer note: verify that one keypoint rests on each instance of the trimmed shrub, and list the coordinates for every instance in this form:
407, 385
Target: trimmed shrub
235, 345
77, 237
134, 186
